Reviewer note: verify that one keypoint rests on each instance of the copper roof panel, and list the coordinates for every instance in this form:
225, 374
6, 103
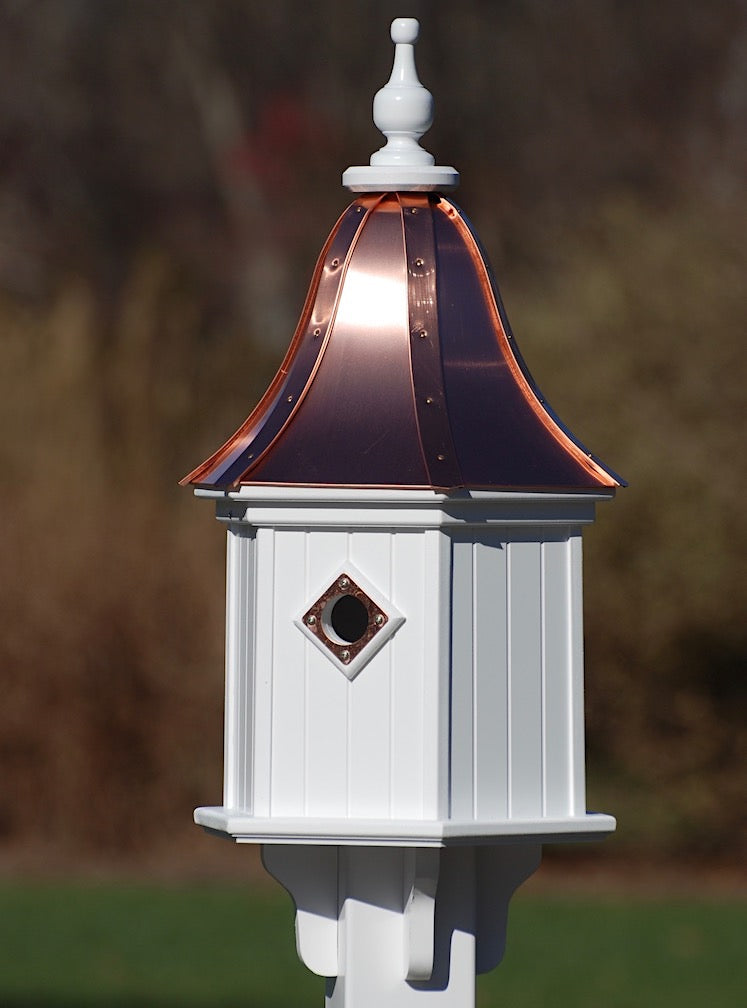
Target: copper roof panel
505, 435
257, 433
356, 424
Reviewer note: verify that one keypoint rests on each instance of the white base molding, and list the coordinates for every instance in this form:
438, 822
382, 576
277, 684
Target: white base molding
243, 828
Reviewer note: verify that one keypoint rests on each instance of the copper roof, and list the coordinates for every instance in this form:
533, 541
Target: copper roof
403, 372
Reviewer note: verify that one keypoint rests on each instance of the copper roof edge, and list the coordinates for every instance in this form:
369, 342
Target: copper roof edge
452, 493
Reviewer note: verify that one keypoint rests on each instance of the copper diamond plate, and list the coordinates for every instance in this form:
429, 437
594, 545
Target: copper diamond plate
317, 618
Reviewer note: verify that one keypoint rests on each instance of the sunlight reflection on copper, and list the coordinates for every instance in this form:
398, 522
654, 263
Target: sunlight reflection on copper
372, 301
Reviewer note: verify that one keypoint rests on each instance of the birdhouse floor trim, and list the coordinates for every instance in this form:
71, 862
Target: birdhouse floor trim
242, 828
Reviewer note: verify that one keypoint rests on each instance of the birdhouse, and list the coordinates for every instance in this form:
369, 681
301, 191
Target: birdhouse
404, 661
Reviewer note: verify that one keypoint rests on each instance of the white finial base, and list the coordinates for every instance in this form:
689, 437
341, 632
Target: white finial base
403, 111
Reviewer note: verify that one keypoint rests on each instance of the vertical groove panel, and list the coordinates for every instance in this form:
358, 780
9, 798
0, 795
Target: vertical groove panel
233, 684
348, 718
526, 679
326, 762
263, 671
509, 699
557, 671
437, 669
410, 667
576, 649
288, 714
239, 668
543, 602
491, 675
307, 589
476, 601
370, 708
391, 667
462, 744
246, 670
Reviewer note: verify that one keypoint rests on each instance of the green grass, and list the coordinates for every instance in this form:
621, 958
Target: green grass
565, 953
108, 946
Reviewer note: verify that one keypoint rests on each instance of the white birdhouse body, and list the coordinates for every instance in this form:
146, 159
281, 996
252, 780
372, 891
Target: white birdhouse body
464, 722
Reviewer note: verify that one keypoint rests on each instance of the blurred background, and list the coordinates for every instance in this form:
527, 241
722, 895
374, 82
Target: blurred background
168, 174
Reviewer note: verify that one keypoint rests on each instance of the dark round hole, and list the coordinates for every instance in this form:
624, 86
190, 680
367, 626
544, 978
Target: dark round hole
349, 618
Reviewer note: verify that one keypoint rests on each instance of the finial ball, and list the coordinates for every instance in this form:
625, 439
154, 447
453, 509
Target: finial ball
405, 30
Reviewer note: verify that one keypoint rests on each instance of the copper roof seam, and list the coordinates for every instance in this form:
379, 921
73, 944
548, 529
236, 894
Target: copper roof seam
524, 380
426, 371
399, 196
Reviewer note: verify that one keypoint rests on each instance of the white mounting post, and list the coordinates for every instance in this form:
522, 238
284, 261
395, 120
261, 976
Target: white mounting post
367, 918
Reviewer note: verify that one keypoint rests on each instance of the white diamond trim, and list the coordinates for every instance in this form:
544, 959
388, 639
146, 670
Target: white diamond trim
395, 619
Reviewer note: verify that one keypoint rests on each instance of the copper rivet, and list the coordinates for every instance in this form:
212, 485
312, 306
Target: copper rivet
335, 262
359, 209
429, 401
311, 620
418, 262
289, 399
423, 333
440, 457
345, 655
413, 209
317, 332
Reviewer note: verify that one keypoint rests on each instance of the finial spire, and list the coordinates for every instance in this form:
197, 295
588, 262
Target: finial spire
403, 111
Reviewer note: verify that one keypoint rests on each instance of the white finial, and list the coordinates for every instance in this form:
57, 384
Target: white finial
403, 111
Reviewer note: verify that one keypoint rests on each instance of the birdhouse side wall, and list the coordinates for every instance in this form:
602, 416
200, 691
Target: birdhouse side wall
517, 734
301, 738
